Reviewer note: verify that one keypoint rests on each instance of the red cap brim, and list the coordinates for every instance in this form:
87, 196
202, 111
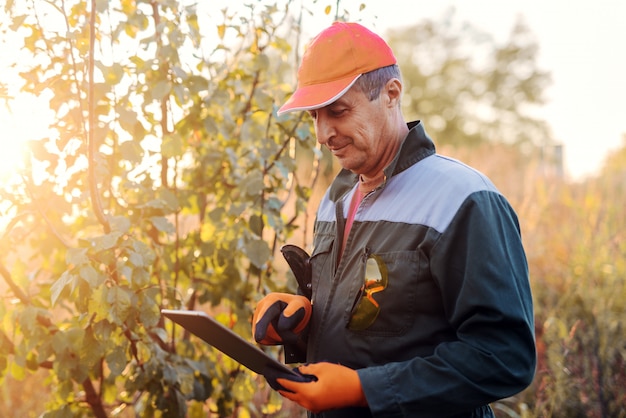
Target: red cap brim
318, 95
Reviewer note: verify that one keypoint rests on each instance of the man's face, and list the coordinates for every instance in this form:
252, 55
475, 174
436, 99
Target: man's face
356, 130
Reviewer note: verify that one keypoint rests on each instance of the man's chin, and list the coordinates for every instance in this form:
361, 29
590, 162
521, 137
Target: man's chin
344, 162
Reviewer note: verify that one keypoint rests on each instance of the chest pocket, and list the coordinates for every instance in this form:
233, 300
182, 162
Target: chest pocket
321, 266
386, 303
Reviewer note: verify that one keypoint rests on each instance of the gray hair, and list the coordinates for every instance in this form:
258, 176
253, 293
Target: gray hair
372, 82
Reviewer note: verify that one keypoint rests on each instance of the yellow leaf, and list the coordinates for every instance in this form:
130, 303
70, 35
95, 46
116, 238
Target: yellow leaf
327, 10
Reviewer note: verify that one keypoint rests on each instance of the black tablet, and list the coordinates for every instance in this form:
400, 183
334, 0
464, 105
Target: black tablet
225, 340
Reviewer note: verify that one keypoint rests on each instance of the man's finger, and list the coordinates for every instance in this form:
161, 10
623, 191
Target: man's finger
290, 320
264, 329
290, 388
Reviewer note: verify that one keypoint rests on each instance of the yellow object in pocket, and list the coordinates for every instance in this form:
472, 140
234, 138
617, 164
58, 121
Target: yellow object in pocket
366, 309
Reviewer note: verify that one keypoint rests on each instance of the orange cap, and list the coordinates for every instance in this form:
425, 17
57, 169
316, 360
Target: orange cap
333, 61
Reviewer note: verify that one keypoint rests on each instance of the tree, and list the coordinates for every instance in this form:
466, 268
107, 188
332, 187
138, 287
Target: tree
467, 88
168, 183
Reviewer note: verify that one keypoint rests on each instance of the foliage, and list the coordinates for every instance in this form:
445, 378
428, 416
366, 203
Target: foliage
576, 242
168, 183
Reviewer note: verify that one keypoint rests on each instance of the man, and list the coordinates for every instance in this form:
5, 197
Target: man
420, 299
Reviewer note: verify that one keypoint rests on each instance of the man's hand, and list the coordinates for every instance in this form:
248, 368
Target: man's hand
281, 318
336, 387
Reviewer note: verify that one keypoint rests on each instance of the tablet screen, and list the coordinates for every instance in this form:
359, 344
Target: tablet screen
225, 340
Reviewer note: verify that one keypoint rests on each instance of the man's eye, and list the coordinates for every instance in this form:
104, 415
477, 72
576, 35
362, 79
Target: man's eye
337, 112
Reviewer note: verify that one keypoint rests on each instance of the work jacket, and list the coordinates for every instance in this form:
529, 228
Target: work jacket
448, 324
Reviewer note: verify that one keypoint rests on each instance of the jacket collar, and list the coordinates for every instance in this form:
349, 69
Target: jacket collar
416, 146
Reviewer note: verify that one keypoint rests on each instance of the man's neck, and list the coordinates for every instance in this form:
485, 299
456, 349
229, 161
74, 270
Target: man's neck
368, 184
370, 181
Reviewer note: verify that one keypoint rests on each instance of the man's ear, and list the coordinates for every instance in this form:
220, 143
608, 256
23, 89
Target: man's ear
393, 90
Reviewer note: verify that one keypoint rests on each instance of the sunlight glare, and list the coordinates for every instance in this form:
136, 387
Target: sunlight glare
22, 119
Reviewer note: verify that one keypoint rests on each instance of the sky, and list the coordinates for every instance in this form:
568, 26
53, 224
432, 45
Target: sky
582, 44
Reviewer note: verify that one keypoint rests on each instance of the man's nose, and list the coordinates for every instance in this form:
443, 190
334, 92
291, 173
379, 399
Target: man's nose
324, 130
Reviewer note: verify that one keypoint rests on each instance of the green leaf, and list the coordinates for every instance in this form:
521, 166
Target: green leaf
70, 340
76, 256
58, 286
18, 372
8, 6
119, 301
303, 133
172, 146
170, 199
102, 6
170, 375
154, 203
182, 74
252, 184
92, 349
91, 276
160, 90
258, 252
28, 319
120, 223
116, 361
17, 22
145, 251
105, 242
104, 330
187, 379
125, 271
99, 304
135, 259
150, 313
140, 278
256, 224
112, 74
161, 333
162, 224
166, 200
262, 62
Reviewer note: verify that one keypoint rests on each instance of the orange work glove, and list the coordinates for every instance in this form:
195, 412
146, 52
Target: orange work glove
336, 386
281, 318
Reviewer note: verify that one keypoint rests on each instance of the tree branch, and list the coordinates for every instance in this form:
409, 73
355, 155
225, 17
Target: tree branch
93, 184
93, 399
164, 70
17, 291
